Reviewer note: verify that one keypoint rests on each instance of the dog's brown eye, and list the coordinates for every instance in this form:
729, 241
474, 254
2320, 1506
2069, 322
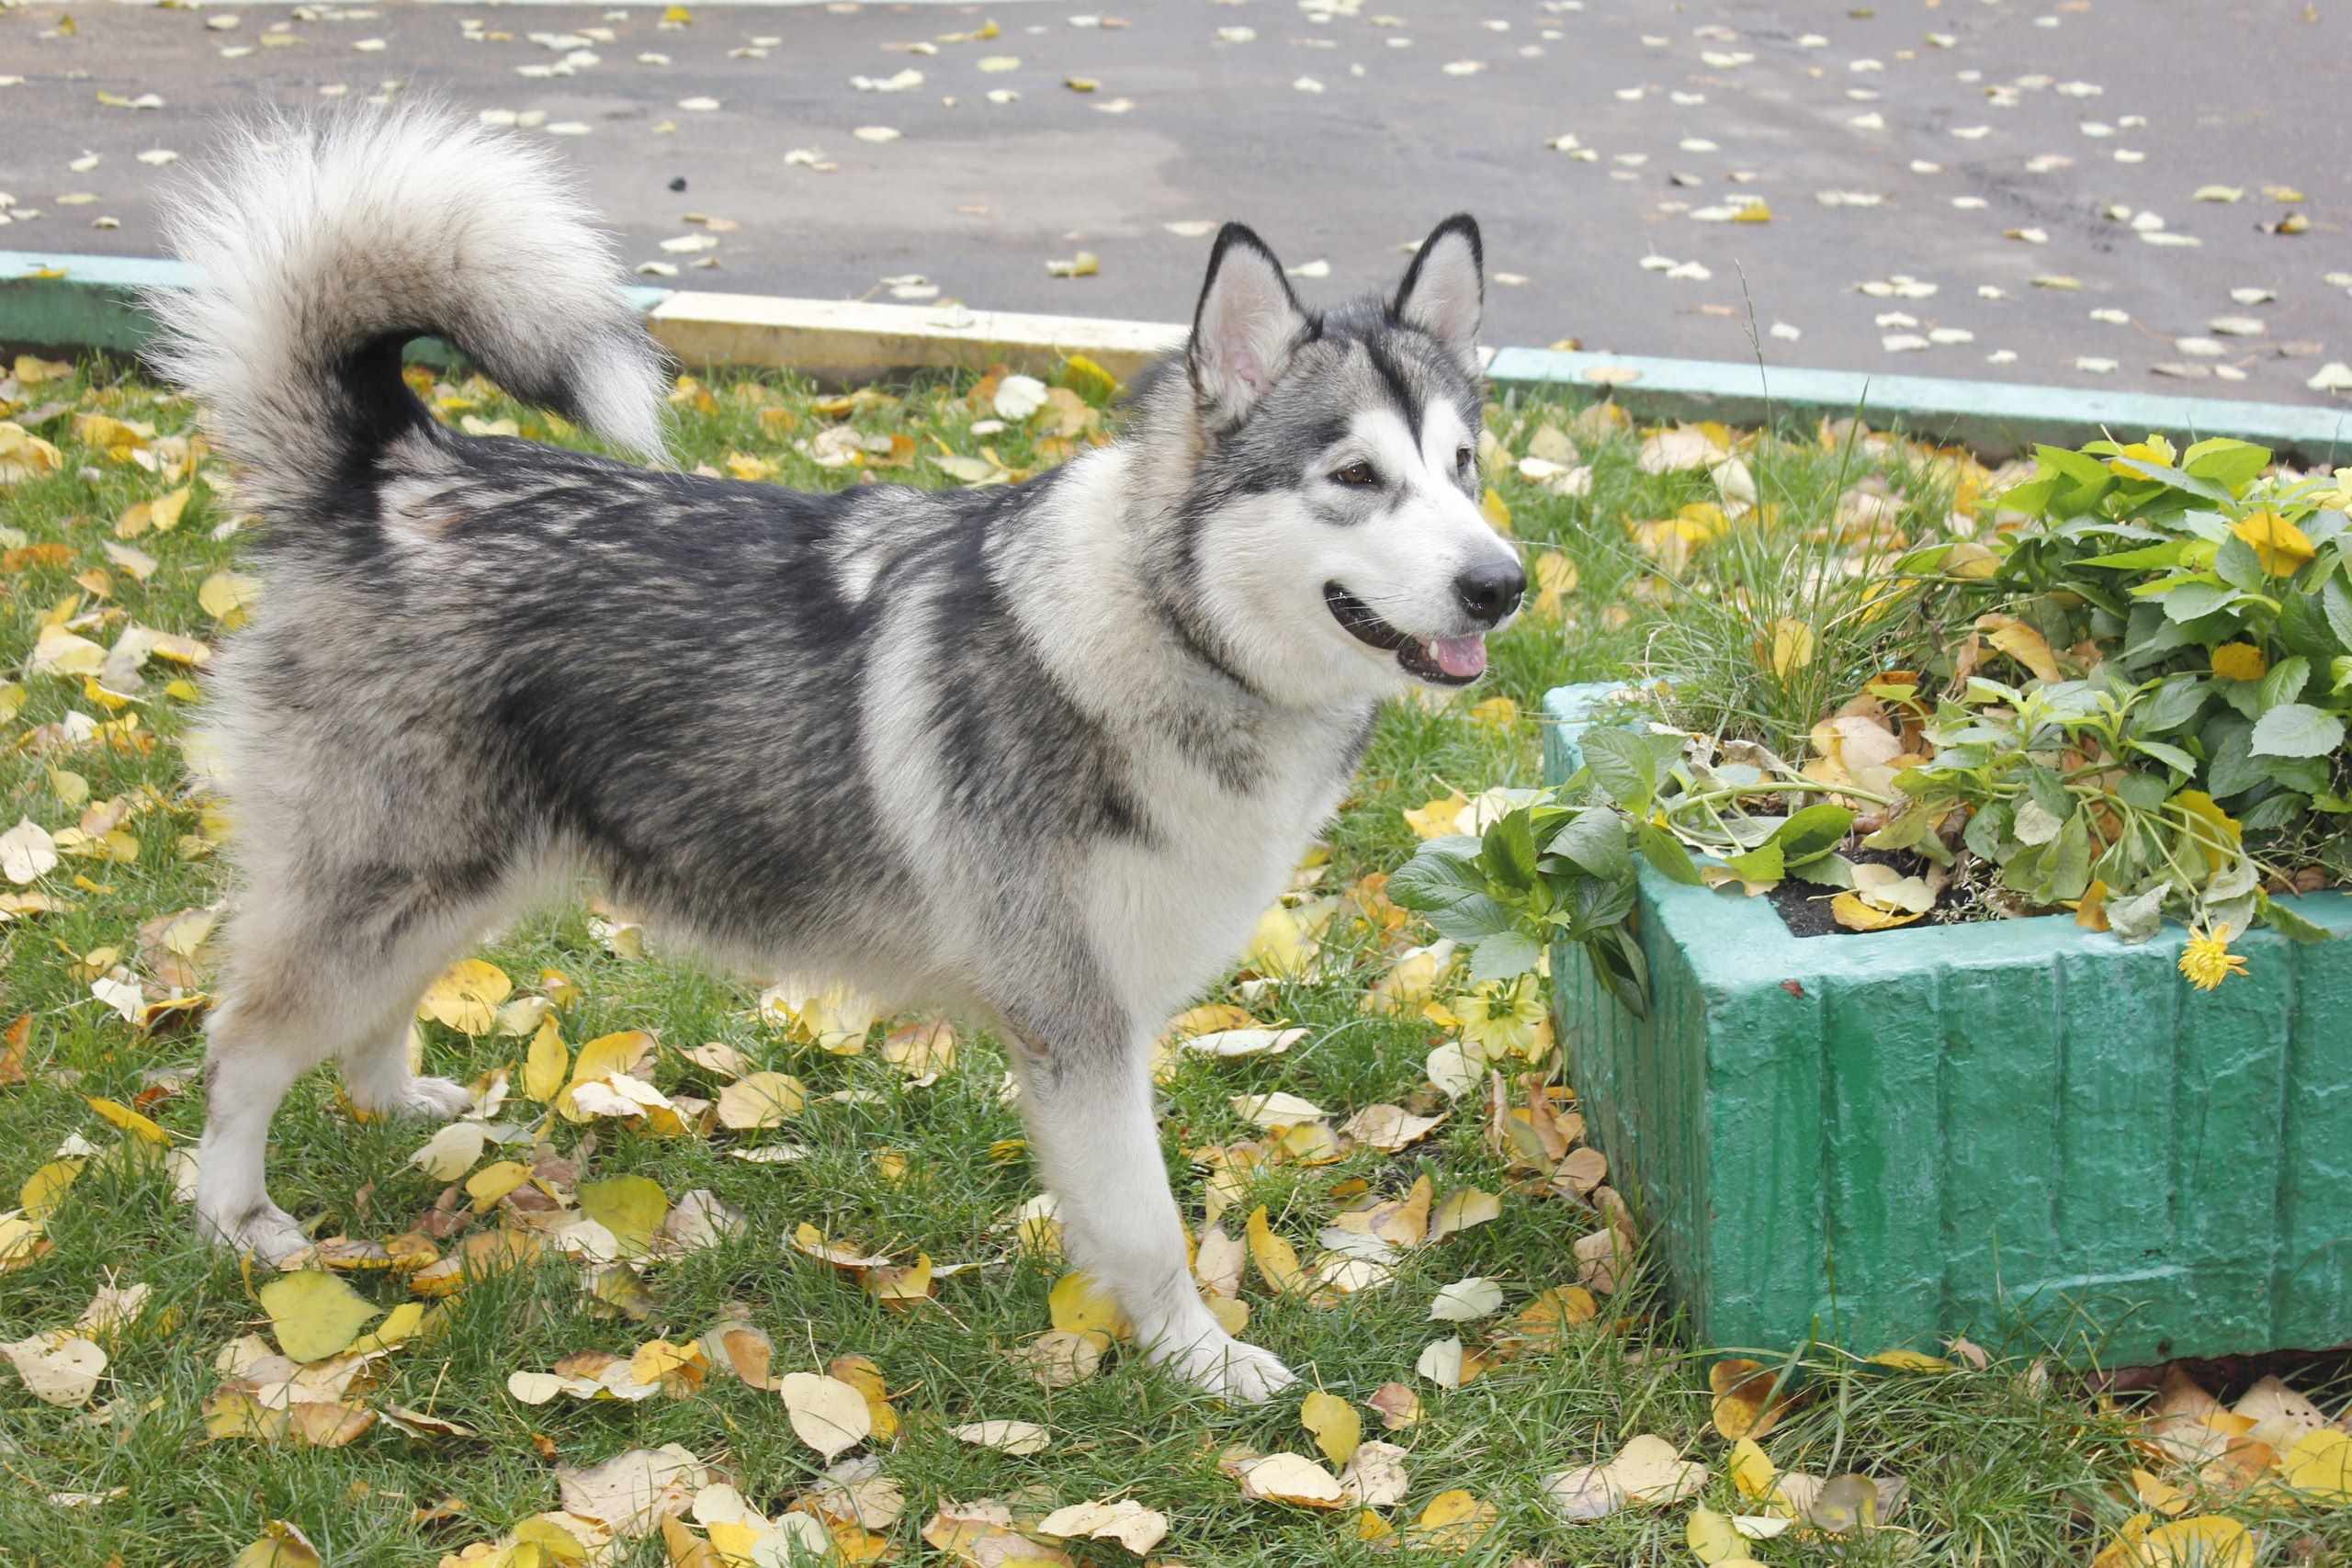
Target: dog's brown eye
1461, 459
1356, 474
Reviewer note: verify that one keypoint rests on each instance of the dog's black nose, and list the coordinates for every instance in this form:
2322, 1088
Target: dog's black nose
1491, 590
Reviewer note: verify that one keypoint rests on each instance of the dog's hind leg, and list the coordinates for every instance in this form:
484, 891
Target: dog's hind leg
320, 964
1086, 1095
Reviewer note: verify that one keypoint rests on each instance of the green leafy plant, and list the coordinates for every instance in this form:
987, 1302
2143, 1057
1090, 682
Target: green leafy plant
2176, 745
2188, 622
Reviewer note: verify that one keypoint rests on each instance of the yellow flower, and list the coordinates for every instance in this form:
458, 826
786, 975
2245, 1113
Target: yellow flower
2155, 449
1503, 1017
2340, 498
2240, 662
2278, 544
2207, 960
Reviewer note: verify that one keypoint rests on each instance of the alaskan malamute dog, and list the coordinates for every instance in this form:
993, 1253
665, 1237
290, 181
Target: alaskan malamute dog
1039, 755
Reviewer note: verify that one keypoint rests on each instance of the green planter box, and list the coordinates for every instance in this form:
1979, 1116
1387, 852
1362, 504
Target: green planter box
1884, 1140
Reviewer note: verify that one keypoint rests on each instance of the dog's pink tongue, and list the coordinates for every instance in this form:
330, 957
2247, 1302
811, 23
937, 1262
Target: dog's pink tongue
1463, 655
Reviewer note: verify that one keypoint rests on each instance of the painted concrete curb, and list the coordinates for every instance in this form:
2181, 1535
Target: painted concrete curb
2018, 1130
1994, 417
59, 301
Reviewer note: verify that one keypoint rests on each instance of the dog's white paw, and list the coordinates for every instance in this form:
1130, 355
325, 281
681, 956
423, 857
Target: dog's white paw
265, 1230
1219, 1364
437, 1100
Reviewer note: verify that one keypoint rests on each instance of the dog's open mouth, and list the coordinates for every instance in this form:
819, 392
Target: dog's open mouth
1445, 661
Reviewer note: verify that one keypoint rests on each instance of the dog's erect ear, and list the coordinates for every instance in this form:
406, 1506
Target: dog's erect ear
1246, 325
1444, 291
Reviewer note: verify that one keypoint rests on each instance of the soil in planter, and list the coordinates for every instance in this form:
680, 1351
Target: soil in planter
1805, 906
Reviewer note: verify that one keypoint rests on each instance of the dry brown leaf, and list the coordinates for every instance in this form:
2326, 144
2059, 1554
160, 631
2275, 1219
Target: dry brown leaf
1741, 1389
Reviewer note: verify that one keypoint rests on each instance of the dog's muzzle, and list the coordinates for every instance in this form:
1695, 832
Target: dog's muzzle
1441, 660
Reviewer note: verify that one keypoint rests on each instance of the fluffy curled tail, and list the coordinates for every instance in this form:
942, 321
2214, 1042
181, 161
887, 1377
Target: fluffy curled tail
324, 244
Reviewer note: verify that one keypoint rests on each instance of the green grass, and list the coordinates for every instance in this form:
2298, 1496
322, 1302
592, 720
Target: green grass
2000, 1471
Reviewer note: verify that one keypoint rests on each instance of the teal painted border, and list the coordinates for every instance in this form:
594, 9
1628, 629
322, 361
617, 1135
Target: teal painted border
1997, 418
95, 304
93, 307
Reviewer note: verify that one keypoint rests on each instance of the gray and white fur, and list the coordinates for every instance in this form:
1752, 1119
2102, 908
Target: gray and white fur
1036, 755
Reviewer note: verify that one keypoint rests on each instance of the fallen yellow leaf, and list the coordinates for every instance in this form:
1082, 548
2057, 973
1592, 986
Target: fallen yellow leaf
1080, 1304
465, 996
1277, 1262
316, 1314
1333, 1422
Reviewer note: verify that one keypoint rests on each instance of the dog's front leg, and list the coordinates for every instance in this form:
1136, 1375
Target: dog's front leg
1087, 1104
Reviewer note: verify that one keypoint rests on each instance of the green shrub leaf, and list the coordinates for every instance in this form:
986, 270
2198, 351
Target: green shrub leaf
2297, 729
1665, 854
1815, 831
1595, 839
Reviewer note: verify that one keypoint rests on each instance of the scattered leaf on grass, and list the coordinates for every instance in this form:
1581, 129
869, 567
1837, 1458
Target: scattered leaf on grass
1647, 1470
1290, 1478
1334, 1424
630, 1494
282, 1545
316, 1314
761, 1099
1741, 1389
1467, 1301
58, 1368
1373, 1476
1126, 1522
827, 1414
465, 996
1005, 1436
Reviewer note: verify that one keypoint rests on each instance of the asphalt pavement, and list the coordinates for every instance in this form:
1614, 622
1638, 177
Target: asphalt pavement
2109, 193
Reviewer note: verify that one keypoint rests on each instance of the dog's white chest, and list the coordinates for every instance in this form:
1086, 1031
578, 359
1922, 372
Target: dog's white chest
1171, 912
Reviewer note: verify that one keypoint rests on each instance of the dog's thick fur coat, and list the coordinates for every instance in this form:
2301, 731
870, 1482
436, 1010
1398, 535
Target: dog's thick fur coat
1038, 754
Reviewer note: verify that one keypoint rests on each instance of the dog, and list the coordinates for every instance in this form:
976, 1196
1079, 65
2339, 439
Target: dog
1036, 755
